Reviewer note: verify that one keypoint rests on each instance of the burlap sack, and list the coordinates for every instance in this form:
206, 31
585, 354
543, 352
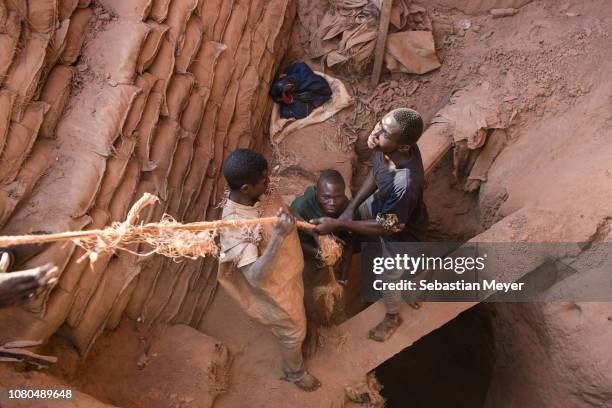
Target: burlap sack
121, 304
129, 10
162, 153
411, 52
76, 35
205, 62
74, 270
209, 11
3, 15
7, 98
13, 194
56, 311
112, 119
57, 253
159, 10
54, 51
124, 195
241, 121
24, 73
55, 92
191, 44
146, 281
19, 323
145, 82
116, 278
205, 4
222, 20
20, 140
87, 285
66, 8
180, 165
42, 15
179, 292
226, 113
9, 37
202, 201
471, 113
203, 155
86, 141
151, 45
163, 67
192, 115
115, 169
19, 6
277, 302
223, 74
146, 129
117, 49
177, 96
161, 292
206, 297
178, 15
200, 292
256, 12
195, 178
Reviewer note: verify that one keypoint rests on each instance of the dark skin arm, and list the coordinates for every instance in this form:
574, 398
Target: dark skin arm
326, 225
307, 247
367, 189
16, 287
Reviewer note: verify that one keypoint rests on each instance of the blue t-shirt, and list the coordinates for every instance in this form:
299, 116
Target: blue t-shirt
398, 203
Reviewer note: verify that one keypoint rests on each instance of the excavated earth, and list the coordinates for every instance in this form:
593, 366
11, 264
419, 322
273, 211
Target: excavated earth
101, 101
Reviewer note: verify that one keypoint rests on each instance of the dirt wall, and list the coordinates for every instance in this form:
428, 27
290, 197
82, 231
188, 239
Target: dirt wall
107, 101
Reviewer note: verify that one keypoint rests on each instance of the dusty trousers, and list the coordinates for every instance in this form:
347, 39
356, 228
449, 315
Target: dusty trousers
292, 362
391, 298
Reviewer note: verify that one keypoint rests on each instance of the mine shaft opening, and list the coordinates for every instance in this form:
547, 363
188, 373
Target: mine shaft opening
451, 366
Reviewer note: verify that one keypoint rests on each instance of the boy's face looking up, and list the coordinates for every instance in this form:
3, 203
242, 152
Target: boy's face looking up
386, 135
330, 197
254, 191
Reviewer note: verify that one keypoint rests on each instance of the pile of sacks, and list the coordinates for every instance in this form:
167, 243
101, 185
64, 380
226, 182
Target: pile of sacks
343, 32
162, 91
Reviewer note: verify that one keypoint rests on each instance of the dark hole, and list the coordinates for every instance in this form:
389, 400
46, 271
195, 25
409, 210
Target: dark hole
450, 367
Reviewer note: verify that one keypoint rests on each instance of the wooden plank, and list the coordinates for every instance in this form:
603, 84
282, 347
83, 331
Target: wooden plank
381, 41
434, 144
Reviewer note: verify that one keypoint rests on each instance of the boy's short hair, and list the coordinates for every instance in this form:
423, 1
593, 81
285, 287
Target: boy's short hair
243, 166
411, 124
331, 176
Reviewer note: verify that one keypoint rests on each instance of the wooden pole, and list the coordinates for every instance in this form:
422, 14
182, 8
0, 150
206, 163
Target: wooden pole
381, 41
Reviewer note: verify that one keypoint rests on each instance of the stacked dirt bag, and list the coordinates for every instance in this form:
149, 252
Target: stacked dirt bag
165, 89
34, 37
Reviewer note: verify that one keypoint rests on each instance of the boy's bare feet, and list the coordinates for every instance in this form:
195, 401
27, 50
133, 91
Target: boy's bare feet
308, 383
385, 328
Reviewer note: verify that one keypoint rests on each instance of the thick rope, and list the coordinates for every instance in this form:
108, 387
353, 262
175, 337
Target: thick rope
167, 237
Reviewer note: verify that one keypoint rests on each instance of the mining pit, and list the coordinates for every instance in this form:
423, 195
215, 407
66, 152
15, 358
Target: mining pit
102, 101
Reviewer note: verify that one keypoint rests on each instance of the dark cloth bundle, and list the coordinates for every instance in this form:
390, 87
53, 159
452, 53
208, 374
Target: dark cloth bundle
300, 91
